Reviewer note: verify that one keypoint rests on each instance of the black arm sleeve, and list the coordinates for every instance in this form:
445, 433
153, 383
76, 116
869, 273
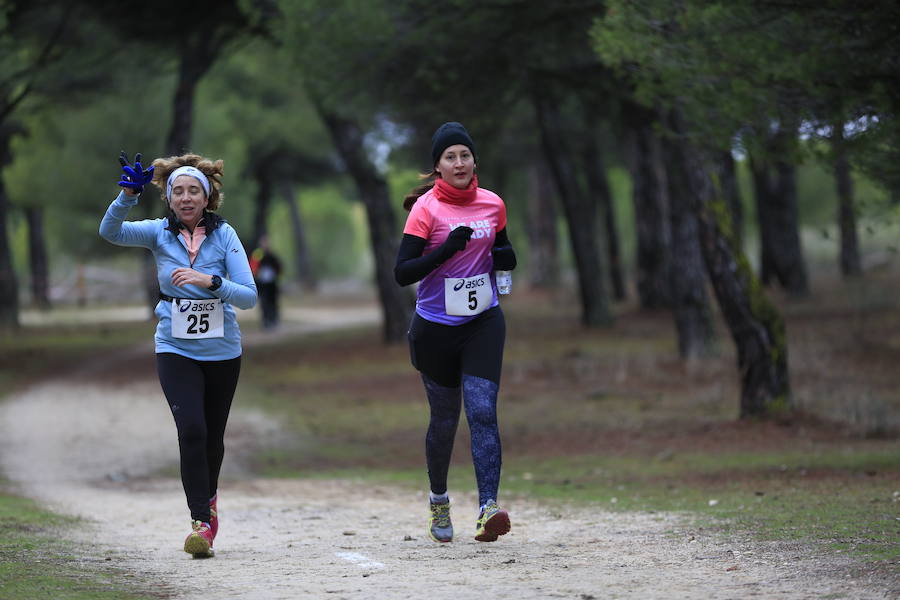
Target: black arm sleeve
411, 265
504, 255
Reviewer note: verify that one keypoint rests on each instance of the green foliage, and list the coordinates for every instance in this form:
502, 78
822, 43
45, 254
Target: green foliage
743, 63
335, 228
68, 164
257, 99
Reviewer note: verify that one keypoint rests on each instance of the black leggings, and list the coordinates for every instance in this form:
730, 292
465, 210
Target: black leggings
445, 352
199, 394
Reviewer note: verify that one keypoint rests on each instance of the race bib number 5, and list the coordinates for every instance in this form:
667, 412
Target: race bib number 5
197, 319
465, 296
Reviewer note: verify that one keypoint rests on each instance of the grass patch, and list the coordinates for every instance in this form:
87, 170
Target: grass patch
829, 498
38, 352
36, 563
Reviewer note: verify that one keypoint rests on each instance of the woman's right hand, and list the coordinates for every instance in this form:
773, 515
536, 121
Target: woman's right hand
457, 240
134, 178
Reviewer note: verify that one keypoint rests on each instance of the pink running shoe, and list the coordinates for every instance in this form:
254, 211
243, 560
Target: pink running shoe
213, 516
200, 541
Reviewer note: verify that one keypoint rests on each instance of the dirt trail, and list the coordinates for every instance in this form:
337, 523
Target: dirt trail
92, 451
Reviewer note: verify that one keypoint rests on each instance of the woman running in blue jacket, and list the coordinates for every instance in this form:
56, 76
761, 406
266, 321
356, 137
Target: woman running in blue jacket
203, 274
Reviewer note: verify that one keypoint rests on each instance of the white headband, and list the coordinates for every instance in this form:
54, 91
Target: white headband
187, 170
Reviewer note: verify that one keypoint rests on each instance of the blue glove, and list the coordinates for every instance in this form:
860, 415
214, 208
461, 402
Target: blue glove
135, 177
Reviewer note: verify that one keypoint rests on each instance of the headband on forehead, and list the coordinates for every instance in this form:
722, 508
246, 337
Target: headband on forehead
187, 170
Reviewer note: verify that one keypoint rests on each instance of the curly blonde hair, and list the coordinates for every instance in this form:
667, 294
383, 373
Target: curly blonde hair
163, 167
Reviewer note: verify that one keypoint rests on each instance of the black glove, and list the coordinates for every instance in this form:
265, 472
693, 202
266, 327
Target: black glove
134, 177
456, 241
504, 258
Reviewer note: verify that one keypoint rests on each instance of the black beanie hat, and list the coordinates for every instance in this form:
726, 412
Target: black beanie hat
448, 135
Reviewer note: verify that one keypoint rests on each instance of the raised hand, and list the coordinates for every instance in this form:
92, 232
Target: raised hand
134, 177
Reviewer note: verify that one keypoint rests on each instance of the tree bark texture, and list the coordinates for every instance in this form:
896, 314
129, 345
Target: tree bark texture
9, 286
850, 262
651, 210
755, 324
690, 302
543, 253
396, 302
263, 177
724, 168
196, 56
598, 188
580, 213
781, 253
37, 254
302, 258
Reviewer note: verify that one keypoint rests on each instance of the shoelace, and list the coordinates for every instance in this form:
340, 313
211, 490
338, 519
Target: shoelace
199, 526
441, 514
489, 511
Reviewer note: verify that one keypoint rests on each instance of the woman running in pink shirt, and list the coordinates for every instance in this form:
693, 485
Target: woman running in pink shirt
454, 239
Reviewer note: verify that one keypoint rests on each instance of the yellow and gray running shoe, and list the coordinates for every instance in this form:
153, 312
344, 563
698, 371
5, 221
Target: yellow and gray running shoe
492, 523
439, 526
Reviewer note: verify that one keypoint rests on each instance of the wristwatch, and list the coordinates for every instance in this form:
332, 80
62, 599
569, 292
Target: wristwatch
216, 283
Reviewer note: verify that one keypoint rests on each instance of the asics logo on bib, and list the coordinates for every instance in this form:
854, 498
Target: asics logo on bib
186, 305
471, 285
203, 306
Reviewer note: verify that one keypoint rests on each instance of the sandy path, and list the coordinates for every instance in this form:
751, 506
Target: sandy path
92, 451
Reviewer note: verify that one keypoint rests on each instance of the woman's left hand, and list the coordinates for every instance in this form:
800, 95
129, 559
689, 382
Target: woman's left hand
183, 276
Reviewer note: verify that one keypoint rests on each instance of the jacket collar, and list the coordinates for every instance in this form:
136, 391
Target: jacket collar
210, 220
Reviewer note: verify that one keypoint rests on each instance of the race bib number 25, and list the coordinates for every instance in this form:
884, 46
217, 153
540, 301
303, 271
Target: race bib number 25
197, 319
465, 296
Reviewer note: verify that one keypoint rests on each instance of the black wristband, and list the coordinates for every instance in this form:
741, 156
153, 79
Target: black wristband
216, 283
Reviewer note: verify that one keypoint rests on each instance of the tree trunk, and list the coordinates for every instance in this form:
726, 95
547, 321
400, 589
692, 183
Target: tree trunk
775, 184
723, 163
264, 182
763, 190
598, 188
306, 275
196, 56
580, 214
396, 302
543, 255
755, 325
651, 210
851, 264
37, 252
690, 302
9, 287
